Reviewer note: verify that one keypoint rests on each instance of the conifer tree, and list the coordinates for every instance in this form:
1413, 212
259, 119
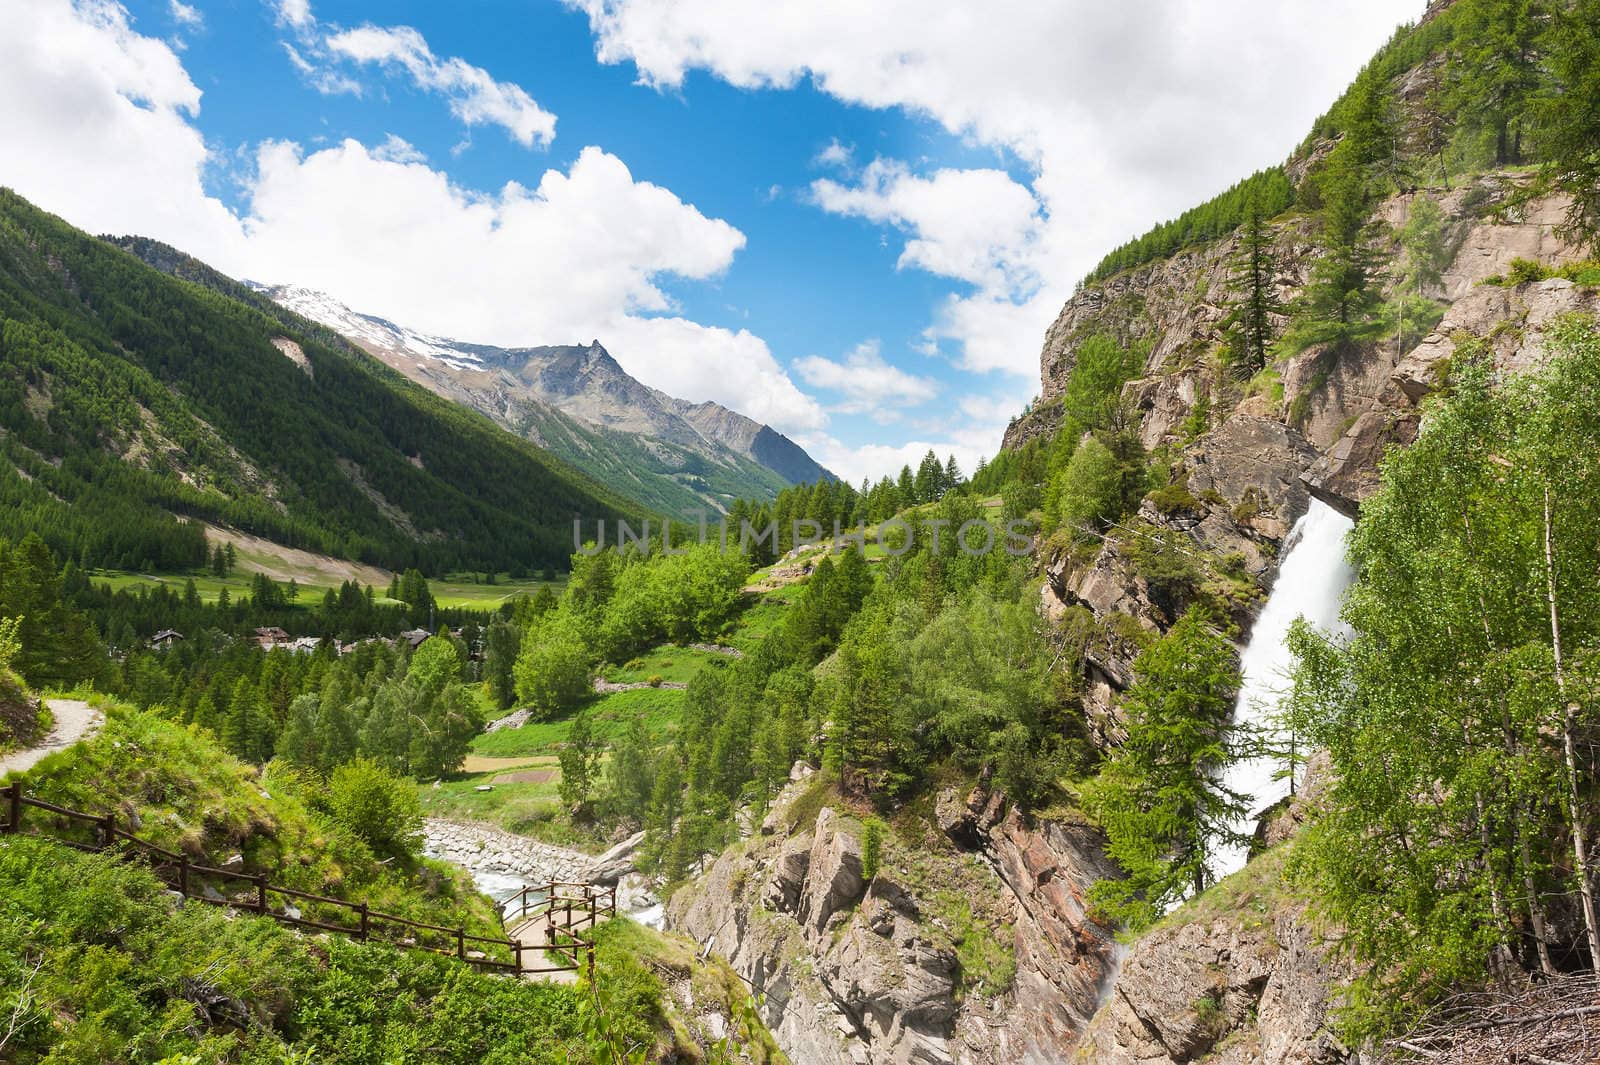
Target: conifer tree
1251, 279
1160, 797
1569, 118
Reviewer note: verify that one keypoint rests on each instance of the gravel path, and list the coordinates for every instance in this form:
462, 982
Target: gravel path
75, 721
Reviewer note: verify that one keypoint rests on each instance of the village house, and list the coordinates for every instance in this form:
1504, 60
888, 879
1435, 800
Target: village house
269, 637
165, 639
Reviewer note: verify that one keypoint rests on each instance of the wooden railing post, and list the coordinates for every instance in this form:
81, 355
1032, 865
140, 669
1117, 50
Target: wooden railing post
14, 808
591, 966
261, 894
366, 920
108, 831
461, 944
183, 875
516, 950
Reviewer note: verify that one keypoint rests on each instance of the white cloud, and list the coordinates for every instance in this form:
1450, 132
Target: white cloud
475, 97
98, 128
873, 461
325, 80
1126, 113
395, 149
575, 258
185, 15
976, 226
866, 383
836, 156
296, 13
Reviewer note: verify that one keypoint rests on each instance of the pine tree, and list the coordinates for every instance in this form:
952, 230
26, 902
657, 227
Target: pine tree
1569, 119
1252, 274
580, 761
1159, 797
952, 474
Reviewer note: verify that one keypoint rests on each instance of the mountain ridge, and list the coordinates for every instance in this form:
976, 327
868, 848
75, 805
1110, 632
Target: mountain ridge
139, 402
537, 391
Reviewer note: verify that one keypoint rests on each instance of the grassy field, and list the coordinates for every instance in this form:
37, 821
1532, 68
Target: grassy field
524, 798
661, 709
464, 591
668, 662
761, 617
455, 593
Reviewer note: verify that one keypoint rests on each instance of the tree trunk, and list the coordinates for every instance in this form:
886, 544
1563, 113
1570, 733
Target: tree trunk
1541, 936
1569, 741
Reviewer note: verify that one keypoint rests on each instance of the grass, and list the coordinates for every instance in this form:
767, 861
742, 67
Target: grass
112, 970
761, 617
460, 592
206, 584
181, 791
661, 708
466, 592
669, 662
1252, 896
527, 809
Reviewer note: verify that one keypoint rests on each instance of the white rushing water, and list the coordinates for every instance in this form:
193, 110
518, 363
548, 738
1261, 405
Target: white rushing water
1311, 583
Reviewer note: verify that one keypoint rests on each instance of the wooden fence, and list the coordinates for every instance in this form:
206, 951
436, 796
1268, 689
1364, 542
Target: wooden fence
562, 914
563, 950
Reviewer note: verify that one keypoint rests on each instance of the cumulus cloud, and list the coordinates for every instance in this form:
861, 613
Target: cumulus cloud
835, 155
976, 226
185, 15
296, 13
865, 383
581, 254
475, 97
87, 97
1124, 113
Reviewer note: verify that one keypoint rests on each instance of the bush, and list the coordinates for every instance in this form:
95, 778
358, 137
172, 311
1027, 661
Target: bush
379, 808
871, 849
655, 680
1088, 490
553, 670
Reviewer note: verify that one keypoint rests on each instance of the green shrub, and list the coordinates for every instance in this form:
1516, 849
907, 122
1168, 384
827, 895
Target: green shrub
379, 808
871, 848
97, 964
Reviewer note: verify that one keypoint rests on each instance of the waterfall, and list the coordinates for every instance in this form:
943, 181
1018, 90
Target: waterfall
1311, 583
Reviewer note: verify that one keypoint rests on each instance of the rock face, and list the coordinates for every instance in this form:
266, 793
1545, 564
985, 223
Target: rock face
858, 972
1244, 987
1244, 979
1513, 321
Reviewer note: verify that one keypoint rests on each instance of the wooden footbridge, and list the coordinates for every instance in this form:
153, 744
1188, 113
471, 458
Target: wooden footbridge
549, 930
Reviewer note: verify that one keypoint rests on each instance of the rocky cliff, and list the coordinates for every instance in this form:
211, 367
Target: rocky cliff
1248, 456
970, 945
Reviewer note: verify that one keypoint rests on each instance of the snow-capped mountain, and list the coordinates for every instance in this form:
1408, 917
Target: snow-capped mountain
370, 332
560, 396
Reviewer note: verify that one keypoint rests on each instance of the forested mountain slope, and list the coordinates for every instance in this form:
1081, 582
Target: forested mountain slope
129, 398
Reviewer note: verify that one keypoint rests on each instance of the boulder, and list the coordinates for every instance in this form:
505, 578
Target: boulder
834, 880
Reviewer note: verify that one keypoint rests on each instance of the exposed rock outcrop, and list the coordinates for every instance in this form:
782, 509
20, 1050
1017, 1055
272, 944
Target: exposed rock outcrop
858, 971
1513, 322
1239, 988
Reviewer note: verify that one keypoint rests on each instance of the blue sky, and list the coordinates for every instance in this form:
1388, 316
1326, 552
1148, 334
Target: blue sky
851, 220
